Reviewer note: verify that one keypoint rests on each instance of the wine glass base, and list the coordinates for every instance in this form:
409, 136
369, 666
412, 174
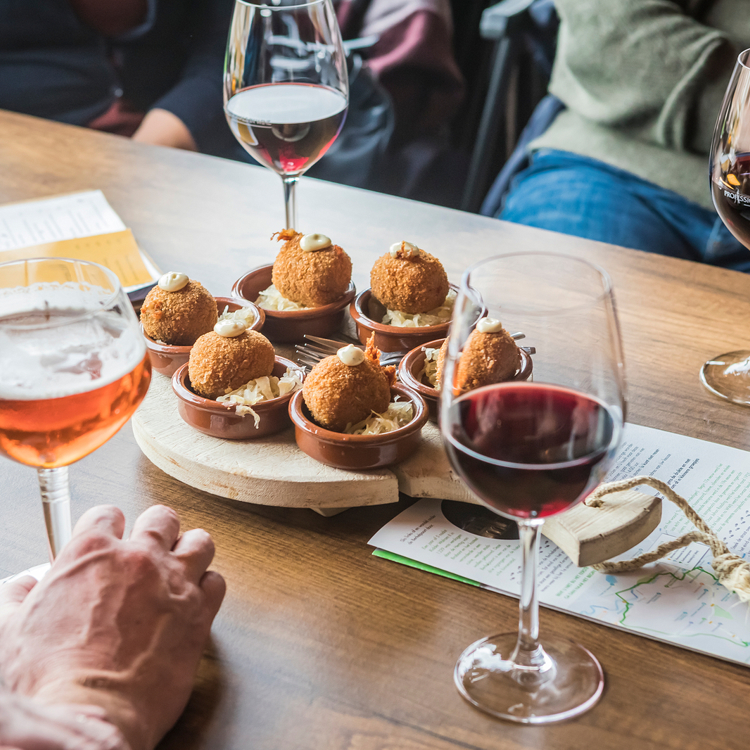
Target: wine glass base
572, 683
728, 376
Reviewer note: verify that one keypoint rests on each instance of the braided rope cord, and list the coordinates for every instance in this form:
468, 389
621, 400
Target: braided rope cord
731, 570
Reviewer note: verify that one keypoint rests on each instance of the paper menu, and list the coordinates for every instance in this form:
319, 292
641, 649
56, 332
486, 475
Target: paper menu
79, 225
62, 217
676, 600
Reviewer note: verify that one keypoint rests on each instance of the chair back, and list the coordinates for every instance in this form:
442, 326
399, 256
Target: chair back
524, 34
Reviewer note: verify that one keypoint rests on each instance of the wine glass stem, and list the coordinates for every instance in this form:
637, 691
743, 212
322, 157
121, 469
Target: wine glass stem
528, 652
290, 200
53, 485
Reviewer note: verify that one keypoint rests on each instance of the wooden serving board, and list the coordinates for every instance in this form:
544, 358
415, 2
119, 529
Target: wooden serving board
273, 471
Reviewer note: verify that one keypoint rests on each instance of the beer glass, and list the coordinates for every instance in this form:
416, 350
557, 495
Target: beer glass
73, 369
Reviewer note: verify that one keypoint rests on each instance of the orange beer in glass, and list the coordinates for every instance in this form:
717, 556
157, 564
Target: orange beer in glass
73, 369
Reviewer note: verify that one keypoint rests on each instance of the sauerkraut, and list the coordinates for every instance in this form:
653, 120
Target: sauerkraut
272, 299
398, 414
429, 371
262, 389
244, 315
434, 317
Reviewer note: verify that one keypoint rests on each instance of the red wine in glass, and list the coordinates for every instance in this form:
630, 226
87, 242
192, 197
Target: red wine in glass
731, 195
287, 126
286, 85
530, 450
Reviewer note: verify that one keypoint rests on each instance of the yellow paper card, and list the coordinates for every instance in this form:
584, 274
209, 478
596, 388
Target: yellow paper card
117, 251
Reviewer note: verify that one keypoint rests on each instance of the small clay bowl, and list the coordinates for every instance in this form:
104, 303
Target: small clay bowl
358, 452
366, 311
221, 420
413, 363
167, 359
290, 326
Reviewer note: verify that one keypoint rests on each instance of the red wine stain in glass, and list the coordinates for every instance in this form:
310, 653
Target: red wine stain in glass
530, 450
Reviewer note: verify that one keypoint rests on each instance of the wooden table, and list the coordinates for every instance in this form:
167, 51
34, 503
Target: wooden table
319, 644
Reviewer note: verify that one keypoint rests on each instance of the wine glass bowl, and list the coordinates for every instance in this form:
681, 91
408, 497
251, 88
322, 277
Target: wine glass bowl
73, 369
728, 375
286, 88
529, 450
411, 373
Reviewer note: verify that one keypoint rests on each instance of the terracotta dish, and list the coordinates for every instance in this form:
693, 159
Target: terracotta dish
366, 311
290, 326
358, 452
413, 363
167, 359
221, 420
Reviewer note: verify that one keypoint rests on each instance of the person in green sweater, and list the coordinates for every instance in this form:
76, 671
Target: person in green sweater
626, 160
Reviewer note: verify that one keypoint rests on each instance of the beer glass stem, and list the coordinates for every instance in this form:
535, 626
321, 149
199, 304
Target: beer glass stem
53, 485
290, 200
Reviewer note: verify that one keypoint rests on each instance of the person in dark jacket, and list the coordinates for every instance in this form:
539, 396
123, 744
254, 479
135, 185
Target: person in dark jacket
150, 69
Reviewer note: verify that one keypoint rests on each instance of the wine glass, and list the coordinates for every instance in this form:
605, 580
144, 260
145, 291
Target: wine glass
528, 450
286, 87
73, 369
728, 375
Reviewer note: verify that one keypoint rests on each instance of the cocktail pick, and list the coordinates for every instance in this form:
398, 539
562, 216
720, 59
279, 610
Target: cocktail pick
731, 570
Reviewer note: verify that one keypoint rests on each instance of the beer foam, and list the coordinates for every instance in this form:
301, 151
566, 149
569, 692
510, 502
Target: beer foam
77, 353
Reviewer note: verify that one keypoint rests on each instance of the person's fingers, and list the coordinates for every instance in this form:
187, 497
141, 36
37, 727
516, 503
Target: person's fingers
97, 731
214, 587
158, 523
14, 592
106, 519
196, 550
38, 727
88, 727
85, 710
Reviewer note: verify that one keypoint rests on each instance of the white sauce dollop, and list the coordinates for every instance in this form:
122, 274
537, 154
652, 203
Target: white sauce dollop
409, 250
489, 325
311, 243
351, 355
173, 281
230, 328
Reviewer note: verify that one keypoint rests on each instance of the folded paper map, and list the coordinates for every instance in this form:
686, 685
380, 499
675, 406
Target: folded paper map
677, 600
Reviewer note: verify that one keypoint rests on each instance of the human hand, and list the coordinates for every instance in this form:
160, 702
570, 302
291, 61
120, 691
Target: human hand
27, 725
162, 128
119, 624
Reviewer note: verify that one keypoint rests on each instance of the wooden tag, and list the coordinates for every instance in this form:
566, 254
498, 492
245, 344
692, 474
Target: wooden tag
592, 535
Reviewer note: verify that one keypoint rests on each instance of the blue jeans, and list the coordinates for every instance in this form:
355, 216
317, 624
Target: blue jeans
587, 198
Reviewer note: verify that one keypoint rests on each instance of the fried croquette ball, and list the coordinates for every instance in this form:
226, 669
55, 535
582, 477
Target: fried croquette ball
337, 394
487, 358
311, 278
408, 281
219, 364
178, 318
